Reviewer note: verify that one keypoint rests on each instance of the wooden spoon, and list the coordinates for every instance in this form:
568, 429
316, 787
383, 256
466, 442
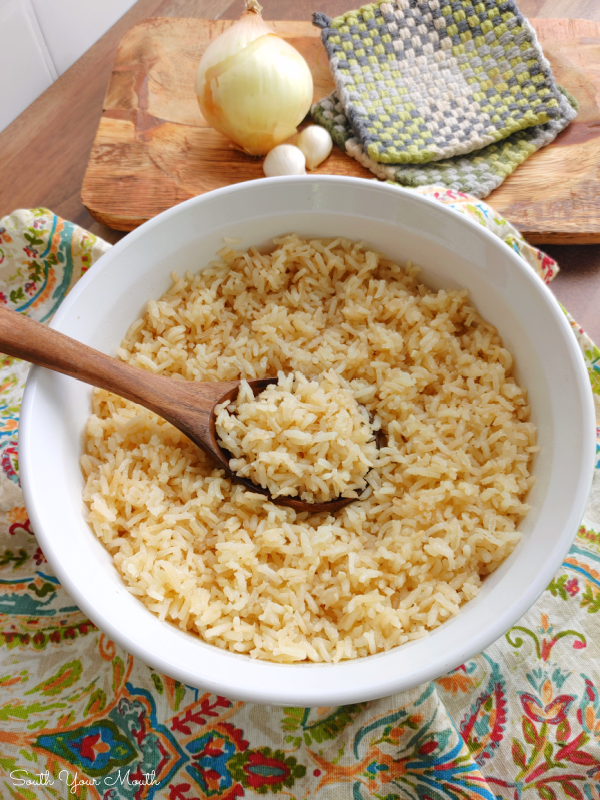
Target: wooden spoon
188, 405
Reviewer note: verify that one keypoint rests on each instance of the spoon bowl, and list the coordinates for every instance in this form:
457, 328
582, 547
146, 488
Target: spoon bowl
219, 454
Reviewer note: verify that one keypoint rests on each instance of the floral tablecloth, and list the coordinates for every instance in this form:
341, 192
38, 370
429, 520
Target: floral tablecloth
81, 717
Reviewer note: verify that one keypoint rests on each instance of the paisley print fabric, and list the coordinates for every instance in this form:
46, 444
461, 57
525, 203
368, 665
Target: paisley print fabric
79, 717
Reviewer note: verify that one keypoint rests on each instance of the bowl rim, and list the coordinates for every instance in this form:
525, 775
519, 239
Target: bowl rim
266, 693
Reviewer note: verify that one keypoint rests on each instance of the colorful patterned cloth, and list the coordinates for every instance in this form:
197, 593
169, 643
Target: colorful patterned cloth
423, 80
477, 173
80, 717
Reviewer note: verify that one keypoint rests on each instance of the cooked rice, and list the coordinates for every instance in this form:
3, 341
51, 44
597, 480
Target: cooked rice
299, 437
443, 500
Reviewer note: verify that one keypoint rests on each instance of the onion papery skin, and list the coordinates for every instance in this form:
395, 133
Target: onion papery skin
258, 95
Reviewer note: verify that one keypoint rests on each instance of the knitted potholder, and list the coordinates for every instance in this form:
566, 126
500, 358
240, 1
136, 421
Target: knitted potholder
423, 80
477, 173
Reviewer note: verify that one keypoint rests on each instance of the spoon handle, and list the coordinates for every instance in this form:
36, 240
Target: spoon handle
24, 338
188, 405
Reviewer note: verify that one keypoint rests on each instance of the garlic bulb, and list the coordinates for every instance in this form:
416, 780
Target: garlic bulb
252, 86
285, 159
316, 144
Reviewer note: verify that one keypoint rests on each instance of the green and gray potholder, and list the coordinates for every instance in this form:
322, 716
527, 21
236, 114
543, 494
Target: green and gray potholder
426, 80
477, 173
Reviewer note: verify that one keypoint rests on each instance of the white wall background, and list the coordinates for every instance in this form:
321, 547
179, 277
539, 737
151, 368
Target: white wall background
40, 39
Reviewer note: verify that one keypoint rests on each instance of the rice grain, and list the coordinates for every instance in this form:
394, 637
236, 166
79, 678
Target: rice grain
443, 499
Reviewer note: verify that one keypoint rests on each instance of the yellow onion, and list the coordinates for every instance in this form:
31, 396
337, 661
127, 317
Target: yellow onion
252, 86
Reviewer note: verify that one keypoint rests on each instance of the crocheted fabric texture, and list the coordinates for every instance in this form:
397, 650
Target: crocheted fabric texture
424, 80
477, 173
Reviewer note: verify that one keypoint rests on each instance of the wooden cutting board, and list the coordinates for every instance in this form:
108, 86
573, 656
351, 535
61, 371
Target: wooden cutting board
153, 148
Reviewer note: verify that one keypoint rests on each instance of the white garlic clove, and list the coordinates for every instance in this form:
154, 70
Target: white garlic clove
316, 144
285, 159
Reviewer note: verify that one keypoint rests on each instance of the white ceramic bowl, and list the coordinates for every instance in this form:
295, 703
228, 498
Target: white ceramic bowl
454, 252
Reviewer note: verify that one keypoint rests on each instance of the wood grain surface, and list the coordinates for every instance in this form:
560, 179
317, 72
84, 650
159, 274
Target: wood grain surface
45, 151
153, 148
